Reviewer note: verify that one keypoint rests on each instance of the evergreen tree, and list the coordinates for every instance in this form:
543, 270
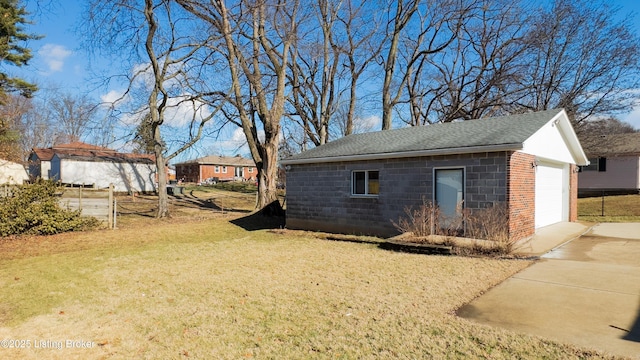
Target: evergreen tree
12, 21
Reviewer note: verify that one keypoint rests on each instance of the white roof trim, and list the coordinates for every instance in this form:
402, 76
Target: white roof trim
406, 154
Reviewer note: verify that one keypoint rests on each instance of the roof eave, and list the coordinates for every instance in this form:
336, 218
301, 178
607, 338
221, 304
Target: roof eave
406, 154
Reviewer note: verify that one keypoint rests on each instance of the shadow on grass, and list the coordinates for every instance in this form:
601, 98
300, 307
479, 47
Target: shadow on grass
271, 216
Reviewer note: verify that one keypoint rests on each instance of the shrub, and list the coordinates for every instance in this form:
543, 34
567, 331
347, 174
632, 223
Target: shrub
33, 209
427, 224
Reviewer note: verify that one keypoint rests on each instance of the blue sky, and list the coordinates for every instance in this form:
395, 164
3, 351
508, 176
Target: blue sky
59, 62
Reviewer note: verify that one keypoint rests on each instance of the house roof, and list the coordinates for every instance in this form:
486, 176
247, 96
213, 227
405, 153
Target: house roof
86, 152
104, 156
80, 146
221, 160
46, 154
488, 134
627, 144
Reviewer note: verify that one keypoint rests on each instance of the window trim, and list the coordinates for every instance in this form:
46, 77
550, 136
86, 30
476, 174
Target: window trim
464, 183
366, 183
216, 169
597, 164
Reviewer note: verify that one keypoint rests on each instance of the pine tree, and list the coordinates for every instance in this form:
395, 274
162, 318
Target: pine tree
12, 34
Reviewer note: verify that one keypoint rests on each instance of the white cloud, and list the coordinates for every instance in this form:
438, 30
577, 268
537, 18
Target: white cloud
367, 124
113, 97
633, 117
54, 56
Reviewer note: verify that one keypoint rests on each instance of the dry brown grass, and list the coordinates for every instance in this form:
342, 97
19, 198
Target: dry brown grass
204, 288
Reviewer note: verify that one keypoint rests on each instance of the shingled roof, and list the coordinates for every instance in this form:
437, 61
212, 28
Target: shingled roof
627, 144
221, 160
86, 152
488, 134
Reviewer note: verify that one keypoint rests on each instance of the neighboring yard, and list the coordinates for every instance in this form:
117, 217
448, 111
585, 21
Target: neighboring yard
622, 208
197, 286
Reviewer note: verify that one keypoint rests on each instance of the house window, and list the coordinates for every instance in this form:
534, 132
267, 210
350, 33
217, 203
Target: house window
224, 169
216, 169
250, 169
596, 164
365, 182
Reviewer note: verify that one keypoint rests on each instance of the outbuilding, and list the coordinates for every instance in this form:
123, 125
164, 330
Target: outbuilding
362, 183
12, 173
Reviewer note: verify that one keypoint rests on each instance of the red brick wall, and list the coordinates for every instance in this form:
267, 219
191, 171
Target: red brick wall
188, 172
521, 181
573, 192
196, 173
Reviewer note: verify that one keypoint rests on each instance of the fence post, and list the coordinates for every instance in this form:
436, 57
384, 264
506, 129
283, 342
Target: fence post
80, 198
110, 217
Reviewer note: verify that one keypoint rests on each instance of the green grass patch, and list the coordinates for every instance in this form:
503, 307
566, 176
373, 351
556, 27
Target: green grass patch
621, 208
210, 289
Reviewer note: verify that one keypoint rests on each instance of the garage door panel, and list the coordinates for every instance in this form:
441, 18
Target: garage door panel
549, 194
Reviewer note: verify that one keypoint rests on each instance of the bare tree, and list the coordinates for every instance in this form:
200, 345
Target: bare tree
72, 115
479, 74
582, 59
170, 47
13, 109
419, 30
313, 72
360, 48
257, 38
403, 13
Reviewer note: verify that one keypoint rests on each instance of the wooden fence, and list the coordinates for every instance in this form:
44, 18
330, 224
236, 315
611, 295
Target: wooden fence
98, 203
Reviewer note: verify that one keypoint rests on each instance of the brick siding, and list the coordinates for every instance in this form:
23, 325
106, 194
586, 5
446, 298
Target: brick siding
521, 194
573, 192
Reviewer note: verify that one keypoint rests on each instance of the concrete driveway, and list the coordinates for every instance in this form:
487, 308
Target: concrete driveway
585, 292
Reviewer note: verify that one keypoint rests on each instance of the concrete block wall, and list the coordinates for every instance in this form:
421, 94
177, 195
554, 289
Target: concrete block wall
319, 195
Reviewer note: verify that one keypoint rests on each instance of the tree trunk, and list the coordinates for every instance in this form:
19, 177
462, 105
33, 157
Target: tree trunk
267, 174
163, 199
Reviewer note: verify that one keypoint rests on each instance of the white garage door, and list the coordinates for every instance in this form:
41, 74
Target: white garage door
550, 198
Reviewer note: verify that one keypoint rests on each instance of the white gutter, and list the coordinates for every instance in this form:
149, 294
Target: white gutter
406, 154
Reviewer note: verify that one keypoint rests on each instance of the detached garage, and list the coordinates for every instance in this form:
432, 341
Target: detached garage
362, 183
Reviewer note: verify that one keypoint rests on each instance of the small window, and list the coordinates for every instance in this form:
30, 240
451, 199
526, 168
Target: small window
216, 169
596, 164
365, 182
224, 169
250, 169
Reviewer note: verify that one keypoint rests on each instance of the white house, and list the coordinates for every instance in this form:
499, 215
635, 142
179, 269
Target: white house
93, 166
12, 173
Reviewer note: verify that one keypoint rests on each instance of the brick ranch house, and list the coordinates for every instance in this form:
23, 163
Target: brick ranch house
222, 168
361, 183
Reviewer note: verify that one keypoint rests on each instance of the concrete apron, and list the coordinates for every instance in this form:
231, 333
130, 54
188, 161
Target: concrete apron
585, 292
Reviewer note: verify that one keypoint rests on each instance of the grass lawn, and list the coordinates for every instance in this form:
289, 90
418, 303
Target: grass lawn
622, 208
197, 286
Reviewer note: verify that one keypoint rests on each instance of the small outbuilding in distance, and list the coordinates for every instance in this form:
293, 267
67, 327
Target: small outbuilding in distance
361, 183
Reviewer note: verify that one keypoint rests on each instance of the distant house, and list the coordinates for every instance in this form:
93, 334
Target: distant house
12, 173
219, 168
361, 183
614, 167
81, 164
